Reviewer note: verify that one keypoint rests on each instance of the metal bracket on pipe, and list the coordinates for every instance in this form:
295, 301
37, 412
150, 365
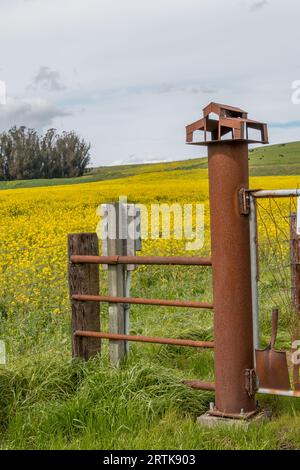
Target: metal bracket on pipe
244, 200
251, 382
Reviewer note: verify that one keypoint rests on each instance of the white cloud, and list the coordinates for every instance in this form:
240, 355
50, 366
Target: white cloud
142, 71
135, 160
36, 113
2, 93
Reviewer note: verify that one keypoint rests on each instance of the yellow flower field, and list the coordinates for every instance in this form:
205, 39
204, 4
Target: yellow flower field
35, 223
35, 219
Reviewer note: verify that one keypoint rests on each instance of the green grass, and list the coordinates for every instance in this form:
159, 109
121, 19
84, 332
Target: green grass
49, 402
281, 159
60, 405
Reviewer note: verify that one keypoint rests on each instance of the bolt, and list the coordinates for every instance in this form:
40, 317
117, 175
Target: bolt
268, 414
242, 412
211, 406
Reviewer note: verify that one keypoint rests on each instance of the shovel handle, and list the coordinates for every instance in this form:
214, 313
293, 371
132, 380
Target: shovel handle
296, 374
296, 371
275, 315
296, 368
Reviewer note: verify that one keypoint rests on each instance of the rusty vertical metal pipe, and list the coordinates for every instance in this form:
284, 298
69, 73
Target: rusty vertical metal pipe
235, 378
228, 173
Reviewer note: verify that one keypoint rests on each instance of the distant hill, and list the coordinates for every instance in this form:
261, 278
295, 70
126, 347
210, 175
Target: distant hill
281, 159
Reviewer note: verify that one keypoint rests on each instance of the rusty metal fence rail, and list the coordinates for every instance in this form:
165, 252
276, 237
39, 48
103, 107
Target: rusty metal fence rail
85, 298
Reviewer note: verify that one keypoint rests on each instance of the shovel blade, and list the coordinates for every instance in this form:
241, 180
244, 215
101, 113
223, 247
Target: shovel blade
272, 369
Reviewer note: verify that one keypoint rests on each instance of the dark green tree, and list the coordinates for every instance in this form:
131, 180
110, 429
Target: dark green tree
24, 154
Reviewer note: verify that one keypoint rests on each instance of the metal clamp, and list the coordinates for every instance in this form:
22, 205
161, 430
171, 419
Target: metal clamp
244, 200
251, 382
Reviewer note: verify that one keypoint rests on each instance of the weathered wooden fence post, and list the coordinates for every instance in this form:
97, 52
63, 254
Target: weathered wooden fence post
116, 277
84, 279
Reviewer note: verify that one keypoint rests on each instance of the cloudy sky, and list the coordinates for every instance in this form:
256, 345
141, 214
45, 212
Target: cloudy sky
128, 75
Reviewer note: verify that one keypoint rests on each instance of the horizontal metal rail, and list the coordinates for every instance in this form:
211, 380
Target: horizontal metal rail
141, 301
145, 339
282, 393
145, 260
276, 193
198, 385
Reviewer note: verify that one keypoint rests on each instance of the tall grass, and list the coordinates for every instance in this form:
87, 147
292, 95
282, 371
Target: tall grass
48, 401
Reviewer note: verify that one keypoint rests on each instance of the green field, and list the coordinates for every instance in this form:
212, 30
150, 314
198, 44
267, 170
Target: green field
281, 159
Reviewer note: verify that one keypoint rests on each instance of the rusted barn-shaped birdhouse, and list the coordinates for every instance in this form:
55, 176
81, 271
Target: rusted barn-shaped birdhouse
221, 122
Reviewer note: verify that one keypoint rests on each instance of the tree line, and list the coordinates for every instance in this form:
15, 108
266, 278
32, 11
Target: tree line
25, 154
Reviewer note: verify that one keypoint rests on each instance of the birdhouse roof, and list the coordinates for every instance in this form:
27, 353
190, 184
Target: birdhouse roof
218, 107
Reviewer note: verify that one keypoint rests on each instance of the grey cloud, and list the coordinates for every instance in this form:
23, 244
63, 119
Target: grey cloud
167, 88
285, 125
172, 87
35, 113
205, 91
258, 5
47, 79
